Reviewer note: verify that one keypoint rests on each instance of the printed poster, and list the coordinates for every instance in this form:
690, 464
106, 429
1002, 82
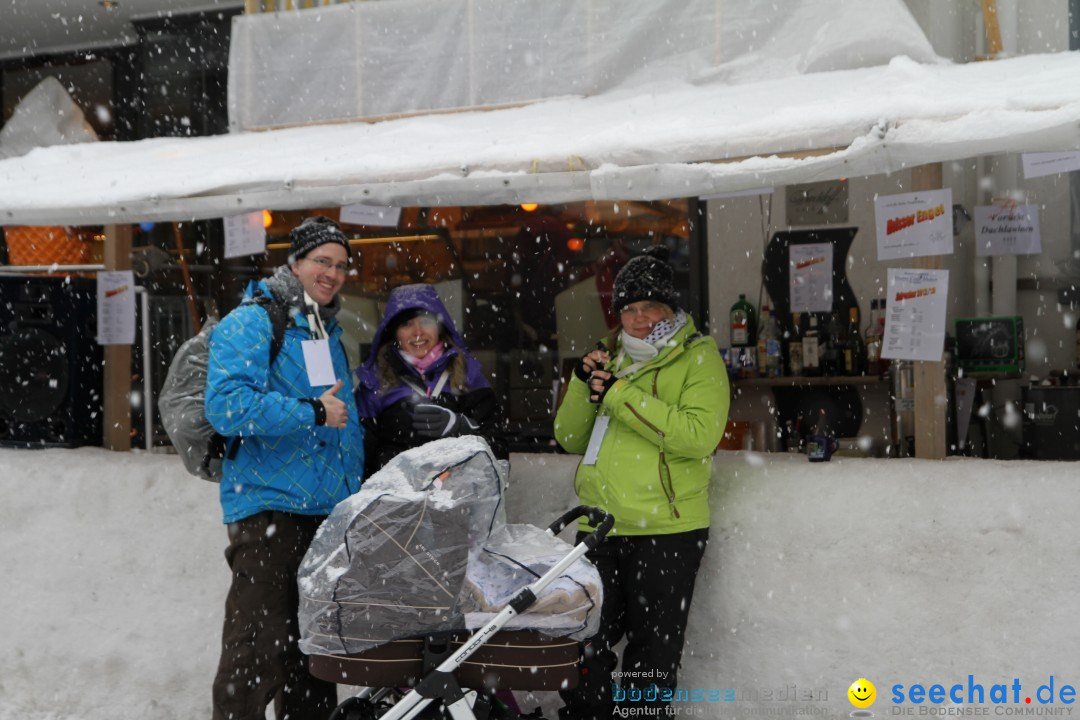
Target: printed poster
1007, 230
245, 235
810, 279
914, 224
116, 308
915, 316
1042, 164
371, 215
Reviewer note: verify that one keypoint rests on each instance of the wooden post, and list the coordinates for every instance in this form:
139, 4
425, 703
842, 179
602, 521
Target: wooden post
930, 395
117, 425
993, 28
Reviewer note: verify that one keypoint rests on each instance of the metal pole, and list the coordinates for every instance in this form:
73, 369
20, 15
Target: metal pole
27, 269
148, 386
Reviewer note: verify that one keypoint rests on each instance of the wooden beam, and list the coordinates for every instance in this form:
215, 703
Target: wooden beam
993, 28
929, 380
117, 425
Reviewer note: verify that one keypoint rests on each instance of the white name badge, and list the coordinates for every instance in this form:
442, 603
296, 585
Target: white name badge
599, 429
320, 368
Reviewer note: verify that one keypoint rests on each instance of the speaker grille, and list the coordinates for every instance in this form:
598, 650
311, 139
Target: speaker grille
34, 375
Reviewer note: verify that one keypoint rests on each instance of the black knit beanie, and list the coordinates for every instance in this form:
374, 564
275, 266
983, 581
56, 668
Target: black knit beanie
646, 277
312, 233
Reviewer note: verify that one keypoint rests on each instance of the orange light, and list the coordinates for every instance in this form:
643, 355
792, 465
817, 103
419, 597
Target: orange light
268, 219
529, 207
575, 244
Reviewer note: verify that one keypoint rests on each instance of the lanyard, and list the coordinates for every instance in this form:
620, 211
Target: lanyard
433, 392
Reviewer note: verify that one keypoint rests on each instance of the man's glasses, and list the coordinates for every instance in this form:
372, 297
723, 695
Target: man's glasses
326, 263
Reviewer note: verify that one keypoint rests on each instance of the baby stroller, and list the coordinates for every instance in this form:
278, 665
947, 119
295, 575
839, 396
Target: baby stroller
418, 582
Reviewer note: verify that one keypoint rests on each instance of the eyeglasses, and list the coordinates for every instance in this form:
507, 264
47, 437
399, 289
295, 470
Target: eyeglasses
642, 309
326, 263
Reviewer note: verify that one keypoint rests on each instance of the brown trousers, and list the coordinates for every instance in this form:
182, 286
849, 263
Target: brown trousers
261, 660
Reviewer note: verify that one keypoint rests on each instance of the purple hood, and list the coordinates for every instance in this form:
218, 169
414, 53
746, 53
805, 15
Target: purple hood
412, 297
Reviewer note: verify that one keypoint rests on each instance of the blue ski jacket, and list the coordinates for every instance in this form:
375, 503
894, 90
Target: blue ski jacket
284, 461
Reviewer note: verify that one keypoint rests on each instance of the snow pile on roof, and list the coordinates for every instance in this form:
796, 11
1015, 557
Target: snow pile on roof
46, 116
673, 141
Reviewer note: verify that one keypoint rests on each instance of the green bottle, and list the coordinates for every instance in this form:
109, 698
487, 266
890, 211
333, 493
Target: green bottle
743, 324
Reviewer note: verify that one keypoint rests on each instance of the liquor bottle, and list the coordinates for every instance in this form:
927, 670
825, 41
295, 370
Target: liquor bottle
762, 342
855, 347
795, 361
774, 355
873, 341
742, 324
769, 358
811, 349
832, 361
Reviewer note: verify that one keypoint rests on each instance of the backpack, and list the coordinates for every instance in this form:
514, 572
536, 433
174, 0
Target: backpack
183, 398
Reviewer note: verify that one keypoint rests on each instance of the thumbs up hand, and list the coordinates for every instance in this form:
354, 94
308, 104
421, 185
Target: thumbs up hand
337, 412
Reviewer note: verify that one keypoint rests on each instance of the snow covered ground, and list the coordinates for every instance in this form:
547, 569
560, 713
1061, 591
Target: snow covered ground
899, 571
114, 586
114, 582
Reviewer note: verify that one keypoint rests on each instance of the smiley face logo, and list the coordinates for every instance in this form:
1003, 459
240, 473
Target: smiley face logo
862, 693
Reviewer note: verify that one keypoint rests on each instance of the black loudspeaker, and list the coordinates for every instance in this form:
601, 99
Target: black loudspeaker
50, 363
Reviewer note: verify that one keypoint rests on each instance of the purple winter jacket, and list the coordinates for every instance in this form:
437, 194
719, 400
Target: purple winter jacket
386, 413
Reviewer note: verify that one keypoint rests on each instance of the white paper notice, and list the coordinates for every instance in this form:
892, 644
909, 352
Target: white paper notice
1040, 164
915, 320
116, 308
1007, 230
320, 368
371, 215
245, 235
810, 269
914, 224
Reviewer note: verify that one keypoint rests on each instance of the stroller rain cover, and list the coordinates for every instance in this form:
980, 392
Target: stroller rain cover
424, 548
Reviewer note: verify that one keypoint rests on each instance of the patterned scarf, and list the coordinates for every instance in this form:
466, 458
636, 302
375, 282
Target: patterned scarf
650, 347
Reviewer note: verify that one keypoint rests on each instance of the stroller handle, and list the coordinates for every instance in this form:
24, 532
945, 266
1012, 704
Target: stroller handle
601, 520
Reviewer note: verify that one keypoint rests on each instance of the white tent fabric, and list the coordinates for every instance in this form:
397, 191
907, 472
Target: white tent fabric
674, 140
46, 116
378, 59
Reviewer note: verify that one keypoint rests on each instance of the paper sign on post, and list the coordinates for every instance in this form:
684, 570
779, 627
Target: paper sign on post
116, 308
1007, 230
915, 320
244, 235
810, 279
371, 215
1042, 164
320, 368
914, 224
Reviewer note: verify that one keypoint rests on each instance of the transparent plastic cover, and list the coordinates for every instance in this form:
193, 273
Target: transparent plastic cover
424, 548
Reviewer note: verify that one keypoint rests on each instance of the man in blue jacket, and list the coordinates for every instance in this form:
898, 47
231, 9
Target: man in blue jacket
296, 450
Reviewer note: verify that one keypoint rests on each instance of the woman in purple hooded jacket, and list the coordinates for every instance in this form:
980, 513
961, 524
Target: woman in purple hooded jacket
419, 382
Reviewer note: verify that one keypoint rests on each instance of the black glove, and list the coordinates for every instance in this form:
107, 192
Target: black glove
435, 421
595, 397
584, 369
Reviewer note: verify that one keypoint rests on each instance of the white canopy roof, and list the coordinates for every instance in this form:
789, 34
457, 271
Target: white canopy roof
648, 143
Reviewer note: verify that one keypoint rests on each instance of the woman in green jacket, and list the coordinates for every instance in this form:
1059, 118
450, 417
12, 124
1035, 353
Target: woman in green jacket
647, 409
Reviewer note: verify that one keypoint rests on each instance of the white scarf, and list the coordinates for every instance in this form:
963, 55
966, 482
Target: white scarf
642, 351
